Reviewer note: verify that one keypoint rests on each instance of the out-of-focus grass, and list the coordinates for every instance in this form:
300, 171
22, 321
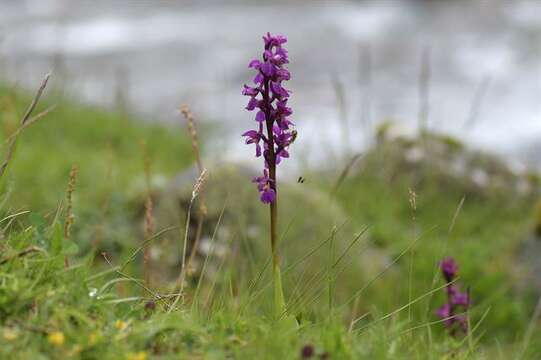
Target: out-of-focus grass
104, 145
48, 311
106, 148
89, 311
480, 226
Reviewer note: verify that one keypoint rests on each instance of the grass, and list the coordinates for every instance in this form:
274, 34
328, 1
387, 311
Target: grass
371, 242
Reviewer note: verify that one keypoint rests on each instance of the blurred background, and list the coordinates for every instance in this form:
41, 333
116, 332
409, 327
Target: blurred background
468, 68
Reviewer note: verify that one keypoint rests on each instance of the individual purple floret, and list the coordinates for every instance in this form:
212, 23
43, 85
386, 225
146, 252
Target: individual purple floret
452, 312
268, 98
449, 268
264, 185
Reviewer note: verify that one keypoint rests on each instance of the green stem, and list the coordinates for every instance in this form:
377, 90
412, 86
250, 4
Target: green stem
279, 302
330, 279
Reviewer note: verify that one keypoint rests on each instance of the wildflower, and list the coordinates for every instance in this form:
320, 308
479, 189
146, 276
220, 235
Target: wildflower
456, 300
449, 268
461, 299
10, 334
121, 325
307, 351
93, 338
56, 338
264, 185
273, 134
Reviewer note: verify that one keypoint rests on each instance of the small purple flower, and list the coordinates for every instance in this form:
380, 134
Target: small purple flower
264, 185
307, 351
449, 268
444, 312
461, 299
457, 301
270, 98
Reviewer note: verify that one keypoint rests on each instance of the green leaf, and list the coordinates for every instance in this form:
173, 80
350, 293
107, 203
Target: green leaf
57, 239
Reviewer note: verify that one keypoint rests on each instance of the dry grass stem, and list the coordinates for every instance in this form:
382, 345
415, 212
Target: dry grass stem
202, 211
198, 187
199, 184
22, 253
69, 210
26, 121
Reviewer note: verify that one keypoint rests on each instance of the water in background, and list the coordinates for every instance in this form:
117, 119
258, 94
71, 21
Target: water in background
471, 68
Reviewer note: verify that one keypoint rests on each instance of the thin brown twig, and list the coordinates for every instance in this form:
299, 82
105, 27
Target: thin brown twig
22, 253
26, 120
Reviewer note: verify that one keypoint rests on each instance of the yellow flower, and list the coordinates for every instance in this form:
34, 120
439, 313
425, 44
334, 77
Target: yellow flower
141, 355
121, 325
93, 338
10, 334
56, 338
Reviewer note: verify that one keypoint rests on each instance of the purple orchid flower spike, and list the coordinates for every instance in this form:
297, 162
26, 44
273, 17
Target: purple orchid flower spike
273, 134
268, 98
457, 301
449, 268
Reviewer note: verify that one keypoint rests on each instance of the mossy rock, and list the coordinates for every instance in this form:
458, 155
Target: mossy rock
433, 159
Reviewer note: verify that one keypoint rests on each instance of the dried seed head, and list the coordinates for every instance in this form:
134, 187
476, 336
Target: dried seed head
188, 115
69, 198
199, 184
413, 199
185, 110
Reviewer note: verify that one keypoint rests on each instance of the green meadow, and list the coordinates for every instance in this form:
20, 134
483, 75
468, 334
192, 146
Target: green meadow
91, 271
